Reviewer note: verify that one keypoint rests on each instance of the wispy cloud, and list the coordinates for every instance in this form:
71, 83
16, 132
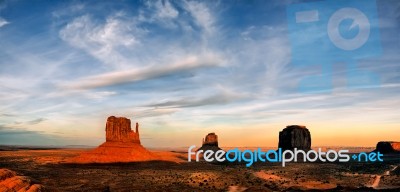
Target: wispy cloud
102, 40
100, 95
7, 115
36, 121
159, 10
155, 112
165, 10
224, 97
3, 22
128, 76
202, 15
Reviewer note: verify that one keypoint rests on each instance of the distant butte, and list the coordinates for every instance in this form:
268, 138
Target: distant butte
388, 147
122, 145
295, 136
210, 142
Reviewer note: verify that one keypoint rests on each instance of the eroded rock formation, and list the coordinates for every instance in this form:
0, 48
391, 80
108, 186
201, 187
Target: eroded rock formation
388, 147
211, 139
9, 181
210, 142
118, 129
122, 145
295, 136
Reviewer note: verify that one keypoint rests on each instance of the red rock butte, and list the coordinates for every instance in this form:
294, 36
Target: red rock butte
118, 129
122, 145
210, 142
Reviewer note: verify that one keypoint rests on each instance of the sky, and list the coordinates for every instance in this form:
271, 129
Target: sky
183, 69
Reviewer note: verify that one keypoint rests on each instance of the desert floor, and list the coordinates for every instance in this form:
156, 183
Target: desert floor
48, 167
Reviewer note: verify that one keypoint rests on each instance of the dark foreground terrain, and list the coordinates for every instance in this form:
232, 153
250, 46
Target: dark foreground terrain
46, 167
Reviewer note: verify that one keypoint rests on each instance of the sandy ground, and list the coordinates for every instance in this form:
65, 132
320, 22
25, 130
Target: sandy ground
174, 173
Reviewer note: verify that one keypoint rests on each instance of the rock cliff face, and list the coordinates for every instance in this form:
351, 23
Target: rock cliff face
118, 129
210, 142
122, 145
211, 139
295, 136
9, 181
388, 147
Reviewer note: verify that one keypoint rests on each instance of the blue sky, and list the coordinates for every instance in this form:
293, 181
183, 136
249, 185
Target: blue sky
181, 69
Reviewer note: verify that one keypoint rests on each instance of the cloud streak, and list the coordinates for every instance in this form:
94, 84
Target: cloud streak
130, 76
36, 121
3, 22
217, 99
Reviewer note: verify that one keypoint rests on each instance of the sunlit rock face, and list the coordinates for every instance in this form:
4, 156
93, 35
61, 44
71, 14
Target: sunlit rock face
295, 136
118, 129
10, 181
388, 147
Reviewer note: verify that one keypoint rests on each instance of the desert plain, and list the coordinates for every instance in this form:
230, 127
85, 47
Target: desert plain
50, 168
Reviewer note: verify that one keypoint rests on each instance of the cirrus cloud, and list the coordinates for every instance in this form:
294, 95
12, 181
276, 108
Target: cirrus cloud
3, 22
